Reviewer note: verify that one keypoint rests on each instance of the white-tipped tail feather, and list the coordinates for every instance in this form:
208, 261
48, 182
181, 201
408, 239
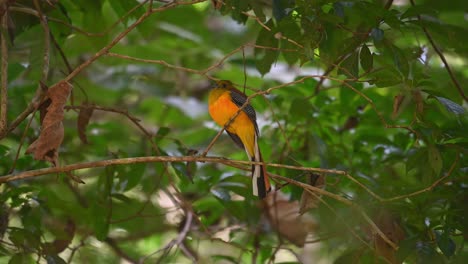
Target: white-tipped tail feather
257, 169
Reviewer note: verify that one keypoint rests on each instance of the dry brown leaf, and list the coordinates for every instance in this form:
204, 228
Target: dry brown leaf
4, 219
418, 99
46, 146
285, 218
83, 120
351, 123
63, 239
217, 4
397, 100
308, 200
390, 226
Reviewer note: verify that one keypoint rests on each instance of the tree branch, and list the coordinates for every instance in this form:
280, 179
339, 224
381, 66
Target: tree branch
4, 76
135, 160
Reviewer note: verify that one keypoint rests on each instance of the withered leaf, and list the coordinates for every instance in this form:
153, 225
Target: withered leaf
83, 120
397, 100
285, 218
217, 4
46, 146
63, 238
389, 224
351, 123
309, 201
418, 99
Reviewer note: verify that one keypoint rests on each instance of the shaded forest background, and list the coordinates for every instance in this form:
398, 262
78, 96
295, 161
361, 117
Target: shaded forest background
108, 155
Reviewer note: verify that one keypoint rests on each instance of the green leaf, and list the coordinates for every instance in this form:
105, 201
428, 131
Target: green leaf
451, 105
21, 258
162, 132
385, 78
366, 58
418, 10
224, 258
122, 7
278, 9
445, 243
121, 197
54, 259
14, 70
264, 55
406, 247
258, 10
4, 150
377, 34
130, 175
221, 194
300, 108
350, 66
289, 50
435, 159
99, 214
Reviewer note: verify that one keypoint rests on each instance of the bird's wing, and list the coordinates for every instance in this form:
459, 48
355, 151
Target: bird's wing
239, 99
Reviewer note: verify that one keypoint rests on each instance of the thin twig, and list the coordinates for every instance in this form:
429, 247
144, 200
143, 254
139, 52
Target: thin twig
352, 47
442, 57
311, 188
39, 97
46, 53
174, 242
4, 76
75, 28
430, 187
118, 251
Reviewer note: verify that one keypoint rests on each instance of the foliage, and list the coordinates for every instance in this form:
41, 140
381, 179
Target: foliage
366, 95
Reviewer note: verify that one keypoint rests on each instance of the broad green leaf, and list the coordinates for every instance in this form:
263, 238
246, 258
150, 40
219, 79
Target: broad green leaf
385, 78
279, 9
54, 259
350, 66
162, 132
289, 50
300, 108
266, 53
435, 159
130, 175
122, 7
406, 248
221, 194
451, 105
377, 34
99, 214
4, 150
225, 258
14, 70
22, 258
445, 243
365, 58
418, 10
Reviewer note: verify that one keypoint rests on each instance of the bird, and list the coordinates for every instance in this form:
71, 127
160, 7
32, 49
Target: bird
224, 102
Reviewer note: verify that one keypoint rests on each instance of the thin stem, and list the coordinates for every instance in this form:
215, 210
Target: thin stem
4, 76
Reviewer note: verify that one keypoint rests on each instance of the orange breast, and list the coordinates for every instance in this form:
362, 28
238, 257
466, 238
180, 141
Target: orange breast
223, 109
